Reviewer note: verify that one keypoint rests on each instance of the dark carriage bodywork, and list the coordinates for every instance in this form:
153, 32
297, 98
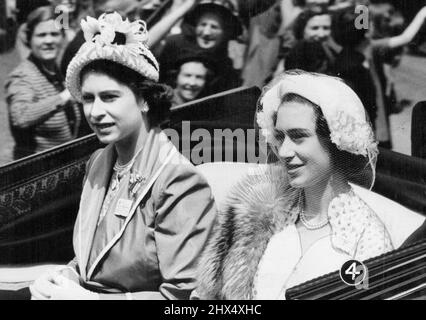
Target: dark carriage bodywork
39, 195
398, 275
39, 198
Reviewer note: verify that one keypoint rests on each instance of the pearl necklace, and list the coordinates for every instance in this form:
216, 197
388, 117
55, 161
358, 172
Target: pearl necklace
122, 170
308, 225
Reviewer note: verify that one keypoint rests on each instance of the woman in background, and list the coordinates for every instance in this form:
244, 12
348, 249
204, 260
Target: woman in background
314, 50
42, 113
193, 75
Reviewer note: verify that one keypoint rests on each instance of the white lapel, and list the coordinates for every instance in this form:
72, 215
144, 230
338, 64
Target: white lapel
281, 256
319, 259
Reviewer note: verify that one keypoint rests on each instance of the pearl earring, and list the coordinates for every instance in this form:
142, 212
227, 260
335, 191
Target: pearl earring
145, 108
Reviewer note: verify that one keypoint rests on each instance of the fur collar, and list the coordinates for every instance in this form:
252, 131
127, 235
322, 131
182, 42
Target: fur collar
255, 211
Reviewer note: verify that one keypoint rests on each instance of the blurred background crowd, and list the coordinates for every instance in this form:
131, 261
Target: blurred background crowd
209, 46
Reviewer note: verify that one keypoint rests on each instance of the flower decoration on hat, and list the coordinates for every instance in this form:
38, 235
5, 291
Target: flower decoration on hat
351, 135
111, 38
109, 27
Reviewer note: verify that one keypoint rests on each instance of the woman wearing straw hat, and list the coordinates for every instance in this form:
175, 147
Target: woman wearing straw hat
145, 213
300, 218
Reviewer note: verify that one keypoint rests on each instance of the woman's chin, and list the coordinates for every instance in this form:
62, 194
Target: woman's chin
105, 139
297, 182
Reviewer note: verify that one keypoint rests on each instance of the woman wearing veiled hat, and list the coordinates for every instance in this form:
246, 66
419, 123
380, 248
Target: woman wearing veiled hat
300, 218
145, 212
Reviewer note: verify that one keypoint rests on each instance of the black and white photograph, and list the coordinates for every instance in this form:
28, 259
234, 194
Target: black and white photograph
219, 150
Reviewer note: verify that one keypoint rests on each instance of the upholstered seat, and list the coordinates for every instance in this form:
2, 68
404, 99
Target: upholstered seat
400, 221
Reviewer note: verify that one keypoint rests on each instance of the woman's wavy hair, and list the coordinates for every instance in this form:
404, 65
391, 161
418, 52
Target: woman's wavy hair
303, 19
344, 30
158, 96
40, 14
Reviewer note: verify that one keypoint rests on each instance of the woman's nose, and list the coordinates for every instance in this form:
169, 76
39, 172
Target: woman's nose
286, 150
323, 34
192, 81
49, 38
207, 30
96, 111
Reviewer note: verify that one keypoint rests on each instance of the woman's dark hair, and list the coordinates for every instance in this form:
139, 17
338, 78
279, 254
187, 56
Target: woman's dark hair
303, 19
40, 14
302, 3
158, 96
344, 29
352, 166
308, 56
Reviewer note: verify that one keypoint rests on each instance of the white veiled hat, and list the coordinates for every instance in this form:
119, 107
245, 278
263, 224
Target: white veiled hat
111, 38
344, 112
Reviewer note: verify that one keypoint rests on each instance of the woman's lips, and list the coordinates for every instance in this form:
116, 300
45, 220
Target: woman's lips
293, 167
49, 49
207, 41
190, 91
103, 126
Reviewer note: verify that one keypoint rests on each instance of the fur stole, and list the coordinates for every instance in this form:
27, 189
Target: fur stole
258, 207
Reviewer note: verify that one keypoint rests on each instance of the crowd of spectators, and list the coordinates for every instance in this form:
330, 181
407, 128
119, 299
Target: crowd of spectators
209, 46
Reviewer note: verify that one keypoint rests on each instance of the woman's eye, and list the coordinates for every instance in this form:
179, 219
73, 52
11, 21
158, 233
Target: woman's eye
109, 97
279, 136
87, 99
297, 138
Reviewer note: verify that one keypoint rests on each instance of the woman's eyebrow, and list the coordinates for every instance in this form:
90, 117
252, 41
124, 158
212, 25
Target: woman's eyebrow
299, 131
296, 131
115, 92
278, 132
110, 92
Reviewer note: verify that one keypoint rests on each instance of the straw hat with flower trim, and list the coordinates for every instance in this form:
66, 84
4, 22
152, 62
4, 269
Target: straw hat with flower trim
111, 38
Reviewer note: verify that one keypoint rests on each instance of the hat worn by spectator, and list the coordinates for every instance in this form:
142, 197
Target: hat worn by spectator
224, 8
111, 38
